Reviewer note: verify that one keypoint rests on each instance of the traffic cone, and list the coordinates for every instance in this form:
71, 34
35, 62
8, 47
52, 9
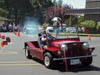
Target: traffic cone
18, 33
89, 37
2, 44
83, 30
15, 33
5, 42
8, 39
3, 37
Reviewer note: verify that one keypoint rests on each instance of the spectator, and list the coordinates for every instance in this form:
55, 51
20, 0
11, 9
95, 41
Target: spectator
10, 27
57, 29
15, 28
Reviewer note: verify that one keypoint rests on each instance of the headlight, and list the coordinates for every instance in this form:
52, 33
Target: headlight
64, 47
85, 45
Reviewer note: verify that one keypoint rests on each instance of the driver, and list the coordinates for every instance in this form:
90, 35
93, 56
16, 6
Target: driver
45, 36
44, 39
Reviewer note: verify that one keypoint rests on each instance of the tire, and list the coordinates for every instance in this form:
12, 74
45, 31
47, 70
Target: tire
48, 62
27, 53
89, 61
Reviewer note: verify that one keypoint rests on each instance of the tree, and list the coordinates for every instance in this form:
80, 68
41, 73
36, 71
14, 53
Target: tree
80, 19
19, 9
88, 24
56, 11
39, 6
3, 12
98, 26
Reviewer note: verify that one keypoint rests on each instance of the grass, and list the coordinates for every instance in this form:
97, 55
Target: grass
80, 34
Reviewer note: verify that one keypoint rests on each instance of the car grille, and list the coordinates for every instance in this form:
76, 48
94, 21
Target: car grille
75, 49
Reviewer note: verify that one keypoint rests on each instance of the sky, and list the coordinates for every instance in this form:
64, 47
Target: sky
75, 3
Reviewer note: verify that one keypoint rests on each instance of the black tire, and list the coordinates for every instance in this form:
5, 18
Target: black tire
89, 61
27, 52
48, 62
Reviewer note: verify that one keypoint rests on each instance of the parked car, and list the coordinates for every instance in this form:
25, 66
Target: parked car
71, 50
71, 29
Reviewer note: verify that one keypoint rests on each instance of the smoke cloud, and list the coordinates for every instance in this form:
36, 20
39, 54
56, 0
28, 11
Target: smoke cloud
31, 26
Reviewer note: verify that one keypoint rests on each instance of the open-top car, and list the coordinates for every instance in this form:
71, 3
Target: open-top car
71, 50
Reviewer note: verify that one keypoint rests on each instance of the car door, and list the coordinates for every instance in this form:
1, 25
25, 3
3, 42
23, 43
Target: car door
39, 53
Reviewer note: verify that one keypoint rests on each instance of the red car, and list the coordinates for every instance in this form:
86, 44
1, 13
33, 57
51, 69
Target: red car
60, 49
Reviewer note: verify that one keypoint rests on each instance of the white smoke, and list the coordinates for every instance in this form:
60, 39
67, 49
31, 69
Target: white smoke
31, 26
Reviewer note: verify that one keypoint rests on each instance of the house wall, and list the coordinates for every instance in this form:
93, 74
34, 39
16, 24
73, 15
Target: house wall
93, 4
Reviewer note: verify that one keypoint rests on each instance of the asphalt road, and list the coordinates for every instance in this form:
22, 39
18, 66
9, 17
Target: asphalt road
14, 62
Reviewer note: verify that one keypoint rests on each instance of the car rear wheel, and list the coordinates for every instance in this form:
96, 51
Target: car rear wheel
48, 62
27, 52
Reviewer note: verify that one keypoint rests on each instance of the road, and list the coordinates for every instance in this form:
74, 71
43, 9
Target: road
14, 62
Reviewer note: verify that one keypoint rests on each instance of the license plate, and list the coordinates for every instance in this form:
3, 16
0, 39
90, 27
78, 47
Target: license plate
75, 61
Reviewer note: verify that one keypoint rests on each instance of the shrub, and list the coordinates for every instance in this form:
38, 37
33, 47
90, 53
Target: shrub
88, 24
98, 26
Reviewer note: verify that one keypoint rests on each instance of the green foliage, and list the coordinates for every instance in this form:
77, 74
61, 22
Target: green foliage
80, 19
71, 21
67, 22
98, 25
39, 7
88, 24
3, 12
41, 3
19, 9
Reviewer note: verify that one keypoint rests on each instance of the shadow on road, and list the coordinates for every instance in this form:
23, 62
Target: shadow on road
77, 68
82, 69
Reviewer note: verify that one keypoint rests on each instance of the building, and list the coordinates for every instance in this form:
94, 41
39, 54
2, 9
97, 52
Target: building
93, 4
91, 12
3, 20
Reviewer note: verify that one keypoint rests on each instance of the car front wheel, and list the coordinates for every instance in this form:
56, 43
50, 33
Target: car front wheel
48, 60
88, 61
27, 52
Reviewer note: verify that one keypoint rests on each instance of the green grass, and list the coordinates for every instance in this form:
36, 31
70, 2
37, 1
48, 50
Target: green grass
80, 34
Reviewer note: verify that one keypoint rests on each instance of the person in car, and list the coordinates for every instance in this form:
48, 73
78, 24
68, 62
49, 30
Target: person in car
45, 37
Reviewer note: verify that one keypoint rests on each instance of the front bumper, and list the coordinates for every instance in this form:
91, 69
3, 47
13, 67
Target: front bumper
77, 57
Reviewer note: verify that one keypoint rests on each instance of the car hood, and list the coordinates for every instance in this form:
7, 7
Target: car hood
58, 43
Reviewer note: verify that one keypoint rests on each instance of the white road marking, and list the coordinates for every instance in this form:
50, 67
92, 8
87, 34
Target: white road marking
19, 63
7, 52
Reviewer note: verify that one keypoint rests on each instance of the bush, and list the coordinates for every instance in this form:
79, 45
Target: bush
98, 26
3, 12
88, 24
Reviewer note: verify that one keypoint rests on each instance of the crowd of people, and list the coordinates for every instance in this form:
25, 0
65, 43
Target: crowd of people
9, 27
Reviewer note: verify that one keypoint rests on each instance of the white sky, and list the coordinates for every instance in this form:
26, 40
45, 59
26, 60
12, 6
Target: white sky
75, 3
